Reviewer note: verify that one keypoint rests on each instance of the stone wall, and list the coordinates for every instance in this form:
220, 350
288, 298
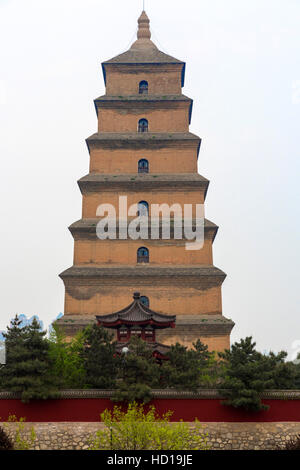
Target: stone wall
221, 436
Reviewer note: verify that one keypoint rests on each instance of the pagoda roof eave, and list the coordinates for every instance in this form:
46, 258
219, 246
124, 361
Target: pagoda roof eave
95, 182
142, 98
131, 271
122, 177
155, 324
142, 136
144, 101
207, 275
142, 140
143, 57
88, 227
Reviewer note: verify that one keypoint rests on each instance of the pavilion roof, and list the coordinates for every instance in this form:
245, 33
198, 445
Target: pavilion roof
136, 313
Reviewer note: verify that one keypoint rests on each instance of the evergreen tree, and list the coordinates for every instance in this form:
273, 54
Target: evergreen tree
14, 345
297, 372
27, 366
283, 373
208, 370
100, 361
188, 369
247, 375
139, 372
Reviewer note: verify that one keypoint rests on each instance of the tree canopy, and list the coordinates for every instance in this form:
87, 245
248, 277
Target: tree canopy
28, 364
37, 367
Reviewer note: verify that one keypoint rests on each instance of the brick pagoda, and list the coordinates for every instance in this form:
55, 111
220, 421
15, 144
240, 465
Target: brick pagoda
143, 150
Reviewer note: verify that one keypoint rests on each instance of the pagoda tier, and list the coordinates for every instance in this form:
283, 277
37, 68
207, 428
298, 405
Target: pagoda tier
143, 103
89, 252
179, 290
118, 153
189, 328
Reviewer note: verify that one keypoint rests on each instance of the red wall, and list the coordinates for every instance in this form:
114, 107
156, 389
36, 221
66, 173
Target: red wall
89, 409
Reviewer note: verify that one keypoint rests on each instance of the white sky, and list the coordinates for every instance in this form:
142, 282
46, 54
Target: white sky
243, 73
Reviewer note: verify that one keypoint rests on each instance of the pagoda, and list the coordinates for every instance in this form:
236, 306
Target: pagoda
143, 150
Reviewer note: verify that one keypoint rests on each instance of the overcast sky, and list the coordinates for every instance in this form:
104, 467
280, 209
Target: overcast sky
243, 73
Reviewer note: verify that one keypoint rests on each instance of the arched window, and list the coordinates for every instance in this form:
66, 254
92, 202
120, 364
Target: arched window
143, 125
143, 88
143, 166
143, 255
143, 208
144, 300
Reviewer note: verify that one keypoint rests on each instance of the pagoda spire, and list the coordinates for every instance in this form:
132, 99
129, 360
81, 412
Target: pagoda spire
143, 26
143, 34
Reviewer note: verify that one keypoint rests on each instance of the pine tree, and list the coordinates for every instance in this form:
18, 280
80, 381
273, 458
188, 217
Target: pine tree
28, 363
138, 373
283, 373
15, 350
297, 372
100, 361
247, 375
181, 369
188, 369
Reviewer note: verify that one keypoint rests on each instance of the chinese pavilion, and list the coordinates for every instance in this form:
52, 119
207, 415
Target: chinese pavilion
143, 150
138, 320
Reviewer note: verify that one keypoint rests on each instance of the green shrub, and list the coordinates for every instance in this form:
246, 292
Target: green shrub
138, 429
21, 440
67, 363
